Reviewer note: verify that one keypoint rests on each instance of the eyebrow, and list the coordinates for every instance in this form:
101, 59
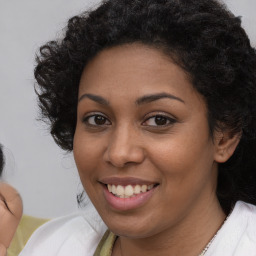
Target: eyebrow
158, 96
143, 100
95, 98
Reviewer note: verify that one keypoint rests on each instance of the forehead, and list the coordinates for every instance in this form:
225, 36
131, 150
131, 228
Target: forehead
134, 70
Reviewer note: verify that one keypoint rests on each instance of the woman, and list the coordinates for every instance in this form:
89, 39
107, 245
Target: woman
10, 211
156, 100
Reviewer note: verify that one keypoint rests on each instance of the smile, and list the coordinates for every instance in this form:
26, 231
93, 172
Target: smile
129, 190
127, 194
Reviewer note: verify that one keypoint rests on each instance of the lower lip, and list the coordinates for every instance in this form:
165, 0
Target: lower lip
125, 204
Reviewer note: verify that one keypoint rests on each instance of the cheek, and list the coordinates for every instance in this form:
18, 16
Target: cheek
183, 156
86, 155
186, 174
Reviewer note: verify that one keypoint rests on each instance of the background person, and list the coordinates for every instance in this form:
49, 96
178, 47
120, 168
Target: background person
10, 211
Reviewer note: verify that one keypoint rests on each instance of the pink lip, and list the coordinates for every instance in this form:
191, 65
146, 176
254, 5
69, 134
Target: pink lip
125, 204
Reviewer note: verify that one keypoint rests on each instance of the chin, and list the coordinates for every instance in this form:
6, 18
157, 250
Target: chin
131, 229
131, 233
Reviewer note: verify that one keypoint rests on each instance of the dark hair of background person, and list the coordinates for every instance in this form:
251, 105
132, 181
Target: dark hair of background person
1, 160
201, 36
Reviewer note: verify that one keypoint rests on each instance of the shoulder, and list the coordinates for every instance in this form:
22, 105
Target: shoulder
237, 237
76, 234
243, 219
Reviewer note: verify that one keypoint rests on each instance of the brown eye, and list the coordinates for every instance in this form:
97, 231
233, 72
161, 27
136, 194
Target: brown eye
96, 120
100, 120
159, 120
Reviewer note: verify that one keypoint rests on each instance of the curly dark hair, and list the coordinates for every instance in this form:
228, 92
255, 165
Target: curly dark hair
1, 160
201, 36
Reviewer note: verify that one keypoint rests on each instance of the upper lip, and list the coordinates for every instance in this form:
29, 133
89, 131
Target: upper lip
126, 181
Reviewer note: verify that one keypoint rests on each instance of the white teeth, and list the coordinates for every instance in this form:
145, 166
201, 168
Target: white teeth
129, 190
113, 189
150, 186
136, 189
144, 188
120, 190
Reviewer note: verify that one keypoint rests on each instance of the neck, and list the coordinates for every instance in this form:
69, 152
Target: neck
189, 237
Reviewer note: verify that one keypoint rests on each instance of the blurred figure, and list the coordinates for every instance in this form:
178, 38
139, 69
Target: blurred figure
10, 211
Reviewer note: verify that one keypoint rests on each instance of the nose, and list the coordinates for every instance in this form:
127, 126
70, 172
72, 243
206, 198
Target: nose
124, 147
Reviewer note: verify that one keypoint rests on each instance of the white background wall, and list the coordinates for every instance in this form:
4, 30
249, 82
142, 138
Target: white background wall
45, 176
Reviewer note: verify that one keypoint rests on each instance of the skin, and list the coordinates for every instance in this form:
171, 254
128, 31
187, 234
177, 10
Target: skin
183, 213
10, 215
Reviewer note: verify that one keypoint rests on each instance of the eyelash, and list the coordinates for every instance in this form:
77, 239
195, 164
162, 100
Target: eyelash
170, 121
87, 118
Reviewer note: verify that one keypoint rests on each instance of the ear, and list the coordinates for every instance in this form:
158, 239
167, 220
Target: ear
225, 145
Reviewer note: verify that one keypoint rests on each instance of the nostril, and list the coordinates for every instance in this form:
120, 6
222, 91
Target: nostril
123, 156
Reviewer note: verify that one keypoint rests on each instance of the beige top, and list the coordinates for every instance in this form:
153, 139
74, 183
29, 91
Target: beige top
106, 244
25, 229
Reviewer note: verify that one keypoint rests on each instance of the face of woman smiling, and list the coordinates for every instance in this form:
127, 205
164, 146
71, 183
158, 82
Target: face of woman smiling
140, 122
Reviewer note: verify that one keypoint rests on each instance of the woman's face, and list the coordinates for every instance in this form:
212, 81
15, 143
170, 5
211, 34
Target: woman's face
142, 144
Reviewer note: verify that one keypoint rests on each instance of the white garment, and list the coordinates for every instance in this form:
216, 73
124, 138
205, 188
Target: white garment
79, 235
74, 235
237, 237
